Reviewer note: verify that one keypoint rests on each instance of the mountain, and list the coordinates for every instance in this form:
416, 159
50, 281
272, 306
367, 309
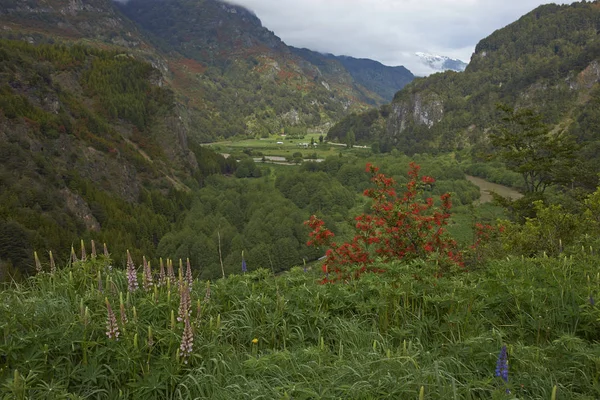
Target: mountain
103, 106
372, 75
548, 60
441, 63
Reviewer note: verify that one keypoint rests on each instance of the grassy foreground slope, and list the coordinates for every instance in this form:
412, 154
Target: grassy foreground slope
257, 336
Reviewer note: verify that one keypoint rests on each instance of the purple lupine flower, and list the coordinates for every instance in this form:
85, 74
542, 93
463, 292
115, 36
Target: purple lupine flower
502, 365
83, 254
187, 341
185, 302
100, 286
132, 283
147, 278
244, 267
188, 274
112, 329
592, 301
162, 278
93, 249
52, 264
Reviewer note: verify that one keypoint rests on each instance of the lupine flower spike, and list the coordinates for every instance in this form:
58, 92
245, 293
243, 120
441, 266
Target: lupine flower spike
94, 255
185, 303
73, 255
502, 366
148, 282
162, 278
112, 329
188, 274
170, 272
107, 256
124, 319
244, 267
207, 295
132, 283
83, 253
187, 340
52, 264
38, 264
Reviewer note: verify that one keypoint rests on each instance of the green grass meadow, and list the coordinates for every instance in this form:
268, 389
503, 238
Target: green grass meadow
401, 334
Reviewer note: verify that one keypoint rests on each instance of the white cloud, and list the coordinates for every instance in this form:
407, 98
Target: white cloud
390, 31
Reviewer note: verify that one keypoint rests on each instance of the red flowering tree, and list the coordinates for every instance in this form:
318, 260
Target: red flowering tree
402, 226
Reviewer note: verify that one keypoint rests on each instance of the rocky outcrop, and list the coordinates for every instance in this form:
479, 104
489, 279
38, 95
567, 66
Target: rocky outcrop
418, 109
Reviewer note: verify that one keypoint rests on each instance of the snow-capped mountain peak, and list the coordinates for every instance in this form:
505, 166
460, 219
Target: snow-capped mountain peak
441, 63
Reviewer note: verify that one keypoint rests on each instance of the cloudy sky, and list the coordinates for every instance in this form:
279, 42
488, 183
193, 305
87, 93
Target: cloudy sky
390, 31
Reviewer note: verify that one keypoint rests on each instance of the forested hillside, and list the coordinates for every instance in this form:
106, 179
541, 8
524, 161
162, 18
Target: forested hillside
84, 151
547, 61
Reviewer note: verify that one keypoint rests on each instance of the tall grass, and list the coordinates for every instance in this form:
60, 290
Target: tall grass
259, 336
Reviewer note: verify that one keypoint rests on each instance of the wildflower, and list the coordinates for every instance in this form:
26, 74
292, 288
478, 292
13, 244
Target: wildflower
122, 309
170, 272
185, 302
132, 283
147, 282
187, 340
112, 329
73, 256
244, 268
106, 251
100, 287
161, 277
502, 365
592, 301
38, 265
83, 254
207, 295
93, 249
188, 274
52, 264
255, 341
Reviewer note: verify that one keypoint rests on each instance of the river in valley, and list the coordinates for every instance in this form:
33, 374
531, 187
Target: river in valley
486, 187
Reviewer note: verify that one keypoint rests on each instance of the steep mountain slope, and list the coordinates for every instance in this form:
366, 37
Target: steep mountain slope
245, 70
372, 75
548, 60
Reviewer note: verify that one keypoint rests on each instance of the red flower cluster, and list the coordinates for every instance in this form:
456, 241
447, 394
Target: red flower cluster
400, 227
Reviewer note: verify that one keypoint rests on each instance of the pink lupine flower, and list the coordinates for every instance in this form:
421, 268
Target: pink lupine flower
188, 274
73, 256
170, 272
161, 277
185, 302
132, 283
207, 295
52, 264
148, 282
124, 319
38, 264
112, 329
187, 341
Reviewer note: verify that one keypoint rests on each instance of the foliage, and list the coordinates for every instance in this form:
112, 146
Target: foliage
400, 227
528, 147
282, 337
